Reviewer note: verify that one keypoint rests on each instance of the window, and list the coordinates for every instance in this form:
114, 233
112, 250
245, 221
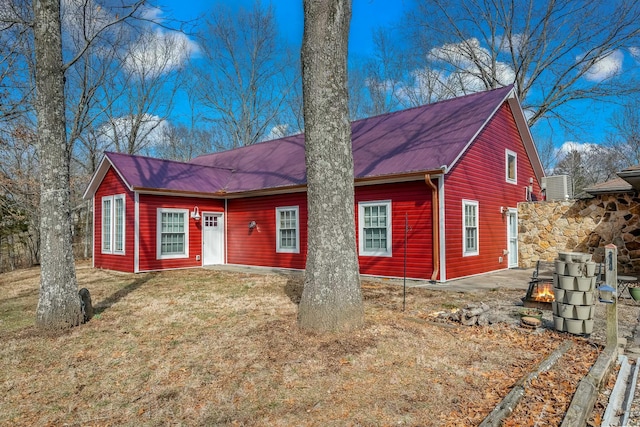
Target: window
113, 222
470, 227
118, 224
374, 228
287, 229
511, 166
173, 233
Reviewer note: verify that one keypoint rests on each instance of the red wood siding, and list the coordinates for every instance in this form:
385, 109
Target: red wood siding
111, 185
258, 246
149, 205
414, 199
480, 175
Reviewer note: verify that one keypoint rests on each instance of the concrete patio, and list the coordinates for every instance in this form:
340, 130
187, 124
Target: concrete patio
515, 278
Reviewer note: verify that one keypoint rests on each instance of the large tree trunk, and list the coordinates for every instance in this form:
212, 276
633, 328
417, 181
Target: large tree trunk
331, 299
59, 304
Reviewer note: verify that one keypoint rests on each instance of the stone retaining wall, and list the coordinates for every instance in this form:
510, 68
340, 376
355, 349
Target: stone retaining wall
586, 225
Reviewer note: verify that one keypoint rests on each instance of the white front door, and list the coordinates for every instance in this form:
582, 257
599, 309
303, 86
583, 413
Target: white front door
212, 238
512, 237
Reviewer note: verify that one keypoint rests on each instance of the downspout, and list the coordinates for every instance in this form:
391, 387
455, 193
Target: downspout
435, 241
226, 219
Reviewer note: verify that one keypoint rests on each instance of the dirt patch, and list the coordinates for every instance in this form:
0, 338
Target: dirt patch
202, 347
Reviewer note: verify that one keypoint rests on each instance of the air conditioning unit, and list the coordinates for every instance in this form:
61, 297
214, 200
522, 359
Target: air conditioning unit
558, 187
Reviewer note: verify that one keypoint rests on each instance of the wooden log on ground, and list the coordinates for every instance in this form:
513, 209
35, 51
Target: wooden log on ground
586, 394
511, 400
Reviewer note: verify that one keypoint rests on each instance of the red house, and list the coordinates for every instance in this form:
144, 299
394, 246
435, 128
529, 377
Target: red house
442, 180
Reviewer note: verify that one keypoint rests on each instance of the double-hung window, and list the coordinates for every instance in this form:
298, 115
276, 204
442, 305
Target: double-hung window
113, 223
374, 228
511, 166
470, 227
288, 229
173, 233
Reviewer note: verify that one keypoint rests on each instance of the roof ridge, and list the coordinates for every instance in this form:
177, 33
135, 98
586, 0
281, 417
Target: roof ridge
106, 153
247, 146
443, 101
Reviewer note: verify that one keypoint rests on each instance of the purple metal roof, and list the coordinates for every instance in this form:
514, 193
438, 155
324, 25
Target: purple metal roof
150, 173
423, 138
414, 140
418, 139
271, 164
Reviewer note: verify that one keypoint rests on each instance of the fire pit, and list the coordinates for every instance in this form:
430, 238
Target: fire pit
539, 295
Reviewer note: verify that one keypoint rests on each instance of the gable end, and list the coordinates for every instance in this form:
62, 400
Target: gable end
99, 175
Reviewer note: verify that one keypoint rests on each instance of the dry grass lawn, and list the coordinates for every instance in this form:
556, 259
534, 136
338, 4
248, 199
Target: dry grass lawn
202, 347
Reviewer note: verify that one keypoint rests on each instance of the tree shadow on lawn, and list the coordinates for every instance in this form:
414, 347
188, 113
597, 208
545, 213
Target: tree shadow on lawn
293, 289
112, 299
371, 291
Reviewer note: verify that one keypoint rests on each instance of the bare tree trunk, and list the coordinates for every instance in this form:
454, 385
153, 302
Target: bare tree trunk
12, 253
331, 299
59, 304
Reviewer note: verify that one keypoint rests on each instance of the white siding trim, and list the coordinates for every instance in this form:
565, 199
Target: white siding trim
123, 225
443, 230
507, 154
109, 233
465, 251
93, 239
159, 255
136, 233
112, 225
226, 211
380, 253
481, 128
279, 249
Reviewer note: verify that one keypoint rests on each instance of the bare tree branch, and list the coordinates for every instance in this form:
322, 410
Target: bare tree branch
246, 76
556, 52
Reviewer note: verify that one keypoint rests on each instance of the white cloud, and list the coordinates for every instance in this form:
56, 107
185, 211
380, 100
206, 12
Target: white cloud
463, 64
427, 86
153, 53
635, 52
467, 62
150, 132
517, 42
606, 67
471, 61
152, 13
82, 18
159, 52
571, 146
278, 131
459, 54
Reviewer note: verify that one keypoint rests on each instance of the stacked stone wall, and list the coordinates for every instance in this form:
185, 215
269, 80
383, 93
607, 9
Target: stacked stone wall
585, 225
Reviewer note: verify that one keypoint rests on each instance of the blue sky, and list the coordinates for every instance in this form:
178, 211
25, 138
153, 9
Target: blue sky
368, 15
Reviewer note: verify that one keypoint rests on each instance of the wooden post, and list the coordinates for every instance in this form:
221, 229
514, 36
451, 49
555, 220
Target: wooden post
611, 279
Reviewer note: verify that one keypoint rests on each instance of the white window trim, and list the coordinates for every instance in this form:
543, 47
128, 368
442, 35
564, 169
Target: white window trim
159, 254
102, 225
112, 225
363, 251
280, 249
465, 251
515, 166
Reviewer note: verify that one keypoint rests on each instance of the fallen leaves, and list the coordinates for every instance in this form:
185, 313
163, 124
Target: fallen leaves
201, 347
548, 396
